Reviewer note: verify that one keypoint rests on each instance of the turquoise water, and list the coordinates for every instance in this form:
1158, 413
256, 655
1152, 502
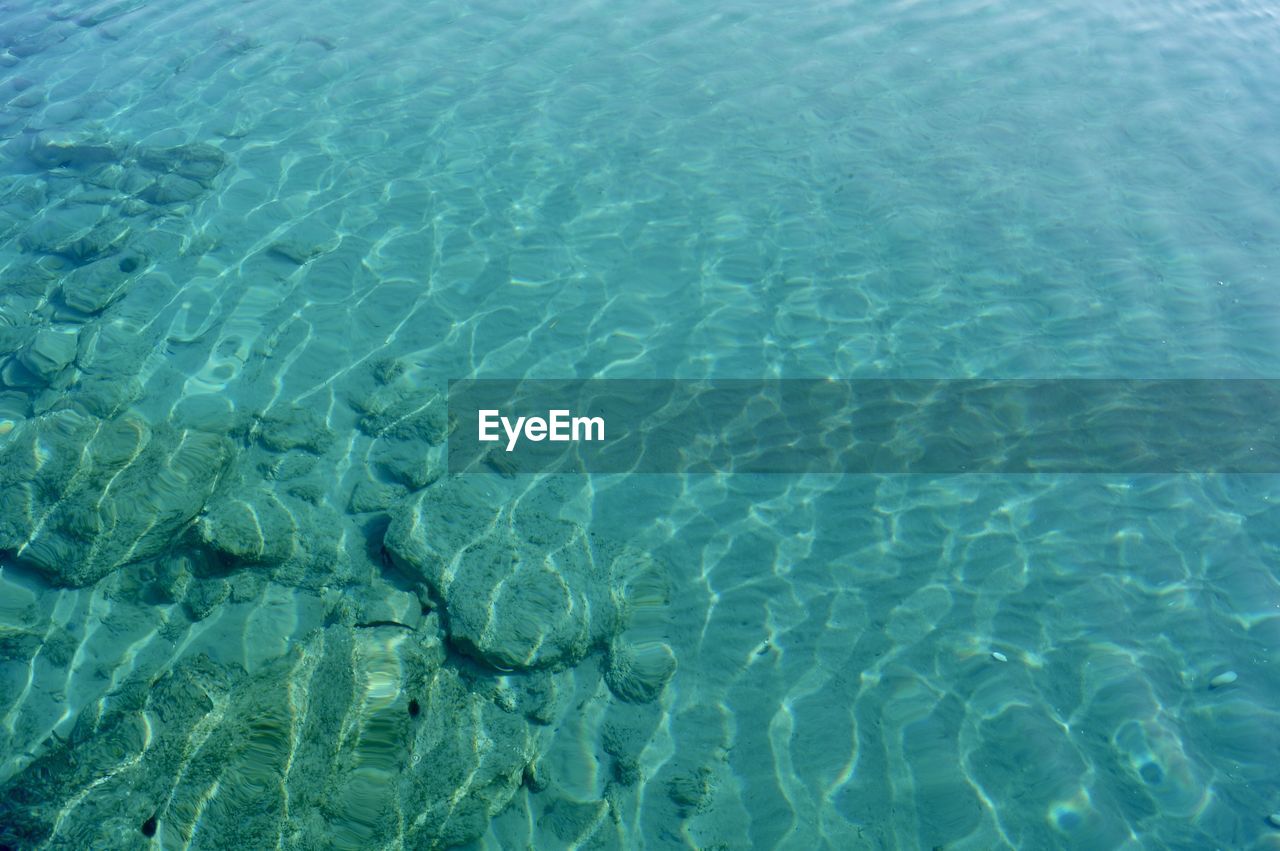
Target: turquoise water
244, 247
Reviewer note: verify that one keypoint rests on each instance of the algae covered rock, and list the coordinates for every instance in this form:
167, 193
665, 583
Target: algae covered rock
318, 750
77, 233
433, 525
82, 496
197, 162
521, 591
49, 352
638, 672
369, 495
270, 510
516, 605
64, 150
409, 462
95, 286
295, 426
525, 589
398, 408
253, 528
171, 189
640, 662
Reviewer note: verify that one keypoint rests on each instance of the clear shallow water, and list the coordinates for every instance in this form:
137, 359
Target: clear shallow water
397, 197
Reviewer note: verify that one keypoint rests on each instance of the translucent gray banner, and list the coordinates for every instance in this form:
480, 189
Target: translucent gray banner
886, 426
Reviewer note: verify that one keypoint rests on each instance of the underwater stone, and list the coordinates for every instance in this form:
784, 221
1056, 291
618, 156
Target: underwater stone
103, 239
95, 286
409, 462
14, 337
203, 595
254, 528
196, 162
288, 466
540, 700
293, 427
28, 198
30, 45
316, 749
134, 207
374, 496
305, 241
29, 489
57, 228
28, 99
19, 644
511, 608
103, 494
296, 252
625, 738
536, 777
398, 410
430, 527
105, 175
210, 412
169, 580
292, 530
311, 492
1223, 679
52, 150
106, 396
112, 350
29, 281
96, 197
573, 823
639, 672
522, 590
692, 788
379, 603
49, 353
626, 770
14, 404
134, 180
171, 189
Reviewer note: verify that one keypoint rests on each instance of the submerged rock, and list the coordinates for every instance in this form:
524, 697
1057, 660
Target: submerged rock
171, 189
250, 528
95, 286
321, 749
369, 495
82, 496
58, 150
639, 672
283, 525
49, 352
409, 462
14, 337
522, 592
295, 426
77, 233
30, 282
197, 162
524, 589
401, 411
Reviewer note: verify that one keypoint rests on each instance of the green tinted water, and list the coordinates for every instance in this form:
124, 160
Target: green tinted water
245, 246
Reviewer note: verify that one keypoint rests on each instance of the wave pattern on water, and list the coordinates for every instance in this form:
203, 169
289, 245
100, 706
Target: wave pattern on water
243, 247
